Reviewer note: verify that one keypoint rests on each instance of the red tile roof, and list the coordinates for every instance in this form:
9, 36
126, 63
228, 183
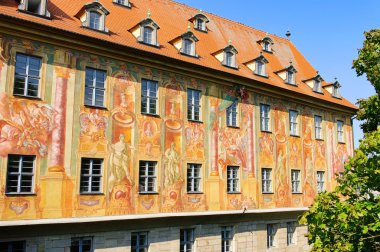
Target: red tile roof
173, 19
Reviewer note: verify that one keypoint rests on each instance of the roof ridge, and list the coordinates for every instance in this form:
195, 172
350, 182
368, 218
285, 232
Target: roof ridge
230, 20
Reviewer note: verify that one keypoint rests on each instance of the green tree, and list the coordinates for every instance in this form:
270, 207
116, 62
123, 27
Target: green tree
348, 219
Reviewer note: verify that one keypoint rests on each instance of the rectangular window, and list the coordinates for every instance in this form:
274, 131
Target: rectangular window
340, 131
147, 177
81, 244
296, 181
94, 91
193, 105
232, 179
290, 77
317, 86
27, 75
12, 246
149, 97
139, 242
320, 181
186, 240
318, 127
266, 176
194, 178
293, 120
271, 233
91, 175
232, 115
264, 117
20, 175
290, 231
227, 239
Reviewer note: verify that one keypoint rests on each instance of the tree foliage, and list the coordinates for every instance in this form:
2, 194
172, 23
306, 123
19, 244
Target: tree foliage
348, 219
369, 113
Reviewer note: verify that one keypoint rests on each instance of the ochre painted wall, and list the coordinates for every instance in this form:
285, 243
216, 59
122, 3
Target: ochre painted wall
59, 130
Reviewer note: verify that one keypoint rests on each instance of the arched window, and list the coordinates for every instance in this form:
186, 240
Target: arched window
229, 59
200, 24
148, 35
266, 46
188, 47
95, 20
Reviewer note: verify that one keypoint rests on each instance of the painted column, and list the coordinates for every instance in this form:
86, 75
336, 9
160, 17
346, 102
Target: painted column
251, 158
57, 152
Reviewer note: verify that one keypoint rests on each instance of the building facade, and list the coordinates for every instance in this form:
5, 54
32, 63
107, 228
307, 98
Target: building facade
122, 130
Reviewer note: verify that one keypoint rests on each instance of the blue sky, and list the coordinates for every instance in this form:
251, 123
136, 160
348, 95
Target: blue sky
327, 32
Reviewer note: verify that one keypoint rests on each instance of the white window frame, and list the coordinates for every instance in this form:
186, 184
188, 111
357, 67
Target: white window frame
336, 92
188, 47
271, 235
148, 36
293, 123
260, 68
232, 115
27, 76
20, 175
148, 98
290, 232
80, 240
317, 86
291, 77
192, 105
187, 238
194, 178
265, 117
233, 183
139, 247
229, 58
320, 181
227, 239
93, 88
147, 177
266, 180
296, 181
340, 131
318, 127
91, 23
91, 177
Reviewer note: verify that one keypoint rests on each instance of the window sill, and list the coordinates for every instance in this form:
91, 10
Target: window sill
148, 193
267, 192
28, 97
339, 142
35, 14
123, 5
233, 192
318, 92
205, 31
149, 114
152, 45
291, 84
292, 135
232, 67
271, 52
233, 127
100, 31
95, 107
319, 139
266, 131
297, 193
20, 194
195, 193
195, 121
91, 194
196, 56
261, 75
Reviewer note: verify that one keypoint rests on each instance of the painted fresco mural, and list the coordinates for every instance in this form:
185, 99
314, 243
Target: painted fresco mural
122, 136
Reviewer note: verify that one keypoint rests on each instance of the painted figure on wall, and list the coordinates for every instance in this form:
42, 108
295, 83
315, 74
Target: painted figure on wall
25, 126
119, 163
171, 161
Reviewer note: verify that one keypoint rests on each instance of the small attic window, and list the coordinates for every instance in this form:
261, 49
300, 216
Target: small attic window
336, 90
37, 7
188, 44
260, 66
148, 35
122, 2
317, 85
229, 56
290, 77
146, 31
93, 16
266, 44
200, 21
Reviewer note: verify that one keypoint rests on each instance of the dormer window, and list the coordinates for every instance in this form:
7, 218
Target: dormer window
200, 21
229, 61
335, 89
148, 35
288, 74
93, 16
37, 7
188, 46
290, 77
317, 86
229, 56
123, 2
266, 44
146, 31
260, 66
95, 20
